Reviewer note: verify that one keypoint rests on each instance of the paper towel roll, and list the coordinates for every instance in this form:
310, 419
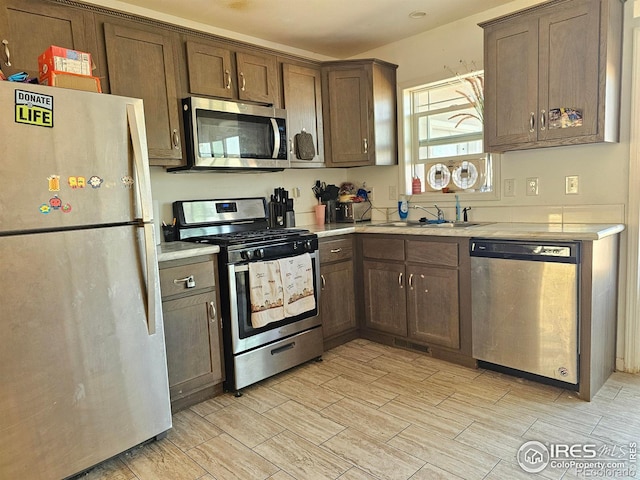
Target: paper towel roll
157, 221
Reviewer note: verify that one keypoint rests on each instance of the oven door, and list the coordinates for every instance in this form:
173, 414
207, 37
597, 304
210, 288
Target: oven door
243, 336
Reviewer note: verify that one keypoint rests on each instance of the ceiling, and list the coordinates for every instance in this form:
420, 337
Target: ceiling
335, 28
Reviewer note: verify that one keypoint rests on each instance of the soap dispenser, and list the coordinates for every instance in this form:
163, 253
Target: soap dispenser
403, 207
457, 209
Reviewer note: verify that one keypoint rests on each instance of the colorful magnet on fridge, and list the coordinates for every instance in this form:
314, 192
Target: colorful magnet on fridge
55, 202
95, 181
127, 181
45, 208
66, 208
77, 182
54, 183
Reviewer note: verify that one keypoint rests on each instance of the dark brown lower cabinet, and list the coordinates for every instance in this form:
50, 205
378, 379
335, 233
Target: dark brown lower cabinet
192, 330
416, 293
337, 295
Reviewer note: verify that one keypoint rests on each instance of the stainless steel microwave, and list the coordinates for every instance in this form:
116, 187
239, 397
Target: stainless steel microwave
222, 135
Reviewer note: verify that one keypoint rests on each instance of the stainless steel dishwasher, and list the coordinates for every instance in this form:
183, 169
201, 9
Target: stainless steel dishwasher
525, 306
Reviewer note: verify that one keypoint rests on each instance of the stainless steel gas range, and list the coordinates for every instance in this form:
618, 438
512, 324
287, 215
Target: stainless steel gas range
255, 349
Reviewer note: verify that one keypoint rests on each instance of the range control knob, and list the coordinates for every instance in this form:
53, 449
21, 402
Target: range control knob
308, 245
246, 254
258, 253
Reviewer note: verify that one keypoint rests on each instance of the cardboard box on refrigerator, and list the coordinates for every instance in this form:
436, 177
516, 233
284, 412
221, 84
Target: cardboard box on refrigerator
59, 59
73, 81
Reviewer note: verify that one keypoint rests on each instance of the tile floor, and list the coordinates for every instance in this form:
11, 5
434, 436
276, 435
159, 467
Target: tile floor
370, 411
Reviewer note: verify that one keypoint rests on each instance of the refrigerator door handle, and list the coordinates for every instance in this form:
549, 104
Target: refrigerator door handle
135, 114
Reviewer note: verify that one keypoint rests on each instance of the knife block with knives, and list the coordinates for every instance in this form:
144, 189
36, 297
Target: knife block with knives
281, 214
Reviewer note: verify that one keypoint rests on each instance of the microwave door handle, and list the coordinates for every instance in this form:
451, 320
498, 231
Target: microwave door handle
276, 138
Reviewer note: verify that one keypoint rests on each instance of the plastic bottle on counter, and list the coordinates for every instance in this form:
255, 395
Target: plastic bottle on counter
416, 186
403, 207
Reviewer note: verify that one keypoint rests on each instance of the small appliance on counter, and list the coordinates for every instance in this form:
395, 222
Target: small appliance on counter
281, 214
349, 212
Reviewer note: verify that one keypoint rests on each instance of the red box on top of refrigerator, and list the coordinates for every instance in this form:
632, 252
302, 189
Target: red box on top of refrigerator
59, 59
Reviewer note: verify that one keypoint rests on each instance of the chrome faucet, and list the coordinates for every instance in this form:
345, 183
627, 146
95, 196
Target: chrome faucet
439, 215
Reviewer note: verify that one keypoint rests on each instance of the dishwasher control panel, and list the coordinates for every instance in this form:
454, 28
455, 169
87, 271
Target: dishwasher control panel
565, 252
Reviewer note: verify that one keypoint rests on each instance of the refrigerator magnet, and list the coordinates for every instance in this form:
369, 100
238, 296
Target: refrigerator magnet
95, 181
127, 181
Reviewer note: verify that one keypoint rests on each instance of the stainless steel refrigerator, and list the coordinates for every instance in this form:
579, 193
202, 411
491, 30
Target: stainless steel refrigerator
83, 372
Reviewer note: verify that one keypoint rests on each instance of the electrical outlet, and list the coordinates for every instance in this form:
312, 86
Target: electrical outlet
393, 193
296, 192
510, 187
532, 186
571, 185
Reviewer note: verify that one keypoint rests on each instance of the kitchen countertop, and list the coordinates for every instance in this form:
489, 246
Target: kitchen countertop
547, 231
180, 250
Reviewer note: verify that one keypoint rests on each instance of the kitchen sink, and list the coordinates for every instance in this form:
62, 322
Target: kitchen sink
415, 223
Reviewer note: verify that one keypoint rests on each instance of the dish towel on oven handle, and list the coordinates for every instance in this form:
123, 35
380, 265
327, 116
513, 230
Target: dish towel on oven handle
265, 292
297, 284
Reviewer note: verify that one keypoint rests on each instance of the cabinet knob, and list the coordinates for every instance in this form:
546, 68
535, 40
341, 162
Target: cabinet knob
244, 83
7, 54
175, 138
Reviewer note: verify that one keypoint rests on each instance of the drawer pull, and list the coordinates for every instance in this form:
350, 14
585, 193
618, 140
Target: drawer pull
189, 281
288, 346
336, 250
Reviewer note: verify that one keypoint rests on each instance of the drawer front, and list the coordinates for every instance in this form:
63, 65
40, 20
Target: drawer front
383, 248
335, 250
174, 280
433, 253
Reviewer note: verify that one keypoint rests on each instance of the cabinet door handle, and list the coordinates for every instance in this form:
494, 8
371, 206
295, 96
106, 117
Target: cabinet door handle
532, 122
411, 281
400, 280
213, 315
291, 146
175, 138
227, 75
336, 250
189, 281
365, 144
543, 120
244, 83
324, 282
6, 52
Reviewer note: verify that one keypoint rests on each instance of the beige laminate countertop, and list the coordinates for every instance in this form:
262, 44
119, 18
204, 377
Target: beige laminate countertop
532, 231
180, 250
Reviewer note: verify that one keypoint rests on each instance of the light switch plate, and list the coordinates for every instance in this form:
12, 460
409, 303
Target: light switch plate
510, 187
532, 186
571, 186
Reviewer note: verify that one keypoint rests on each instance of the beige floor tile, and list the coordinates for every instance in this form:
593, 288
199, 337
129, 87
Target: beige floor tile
494, 442
245, 425
314, 373
208, 406
475, 391
227, 459
449, 455
307, 393
367, 393
442, 366
544, 431
426, 416
260, 398
346, 366
488, 414
509, 470
371, 421
190, 429
355, 473
431, 472
359, 353
112, 469
281, 476
401, 366
161, 460
404, 386
376, 458
302, 459
304, 422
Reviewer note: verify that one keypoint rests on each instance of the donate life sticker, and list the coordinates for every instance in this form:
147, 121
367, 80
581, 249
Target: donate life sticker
34, 109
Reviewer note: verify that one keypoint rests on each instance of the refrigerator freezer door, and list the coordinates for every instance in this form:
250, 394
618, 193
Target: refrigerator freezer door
83, 379
74, 170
